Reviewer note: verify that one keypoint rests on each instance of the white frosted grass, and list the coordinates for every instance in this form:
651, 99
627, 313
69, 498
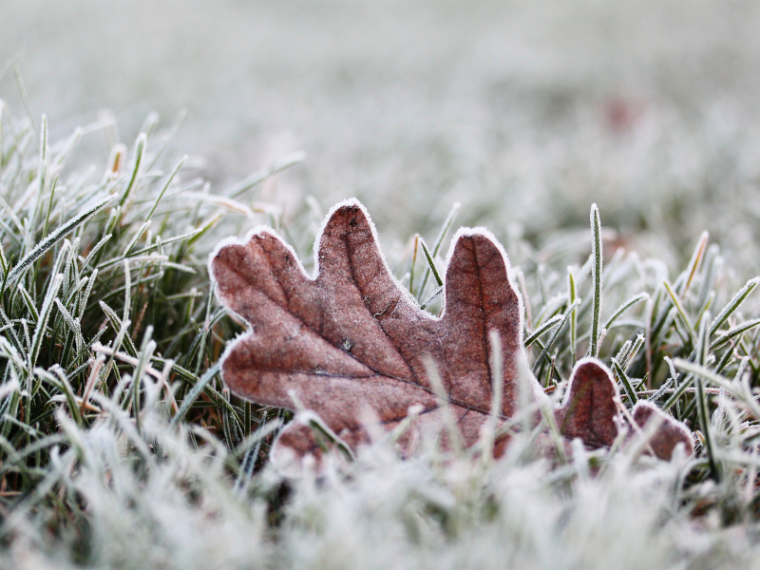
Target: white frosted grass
179, 509
166, 496
508, 107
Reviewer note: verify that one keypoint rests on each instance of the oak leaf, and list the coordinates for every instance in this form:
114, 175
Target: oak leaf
669, 433
591, 412
590, 409
352, 338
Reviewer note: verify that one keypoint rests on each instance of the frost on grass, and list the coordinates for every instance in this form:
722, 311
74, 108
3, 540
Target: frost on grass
121, 448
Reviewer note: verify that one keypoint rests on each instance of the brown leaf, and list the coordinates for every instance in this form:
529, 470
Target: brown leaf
352, 339
589, 410
669, 433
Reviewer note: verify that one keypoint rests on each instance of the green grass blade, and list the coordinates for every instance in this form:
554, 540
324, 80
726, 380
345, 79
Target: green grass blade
47, 243
438, 243
431, 264
45, 312
193, 394
596, 280
735, 302
734, 332
139, 153
679, 308
623, 378
166, 186
636, 299
543, 329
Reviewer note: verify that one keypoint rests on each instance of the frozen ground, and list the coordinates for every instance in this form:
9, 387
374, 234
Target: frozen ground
525, 111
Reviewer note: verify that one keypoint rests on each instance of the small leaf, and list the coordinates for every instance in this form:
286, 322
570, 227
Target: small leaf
669, 434
589, 409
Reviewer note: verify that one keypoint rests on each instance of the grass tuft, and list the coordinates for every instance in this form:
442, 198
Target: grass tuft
121, 448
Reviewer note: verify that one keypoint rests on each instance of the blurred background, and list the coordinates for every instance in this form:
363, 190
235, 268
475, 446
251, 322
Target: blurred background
524, 111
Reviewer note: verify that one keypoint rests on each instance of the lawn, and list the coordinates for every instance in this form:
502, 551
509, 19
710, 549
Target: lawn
120, 444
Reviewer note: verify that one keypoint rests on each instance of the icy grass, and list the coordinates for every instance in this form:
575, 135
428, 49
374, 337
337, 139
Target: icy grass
527, 111
120, 447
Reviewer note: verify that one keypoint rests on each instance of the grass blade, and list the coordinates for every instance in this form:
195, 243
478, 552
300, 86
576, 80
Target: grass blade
437, 245
42, 247
623, 378
193, 394
41, 328
432, 266
543, 329
734, 304
679, 308
139, 153
624, 307
596, 280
